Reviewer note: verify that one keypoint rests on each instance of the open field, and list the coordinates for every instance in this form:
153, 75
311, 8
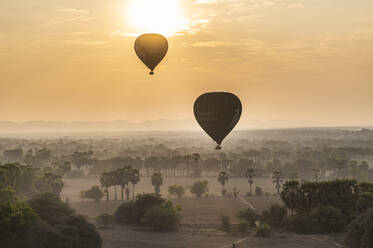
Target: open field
199, 227
74, 186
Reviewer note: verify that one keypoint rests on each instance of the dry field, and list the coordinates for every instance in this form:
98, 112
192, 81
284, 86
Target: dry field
199, 227
74, 186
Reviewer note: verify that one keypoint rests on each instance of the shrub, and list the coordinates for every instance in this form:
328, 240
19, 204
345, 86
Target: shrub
327, 219
360, 231
322, 220
258, 191
145, 201
104, 220
78, 232
263, 230
163, 217
301, 223
149, 209
365, 202
199, 188
94, 193
176, 190
59, 227
249, 215
275, 216
243, 226
223, 192
226, 223
126, 213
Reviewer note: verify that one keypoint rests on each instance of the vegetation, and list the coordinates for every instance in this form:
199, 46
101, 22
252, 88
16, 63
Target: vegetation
250, 174
104, 220
263, 230
258, 191
157, 181
360, 231
94, 193
164, 217
199, 188
176, 190
226, 224
250, 216
275, 216
223, 178
44, 222
150, 210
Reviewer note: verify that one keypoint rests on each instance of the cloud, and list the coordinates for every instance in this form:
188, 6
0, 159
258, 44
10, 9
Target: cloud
214, 44
84, 42
69, 15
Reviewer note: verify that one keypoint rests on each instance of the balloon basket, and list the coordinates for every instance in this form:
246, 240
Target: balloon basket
218, 148
151, 73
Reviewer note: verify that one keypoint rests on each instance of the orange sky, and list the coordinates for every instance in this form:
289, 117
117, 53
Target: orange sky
291, 61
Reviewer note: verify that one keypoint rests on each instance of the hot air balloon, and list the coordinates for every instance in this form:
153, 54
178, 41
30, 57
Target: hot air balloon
217, 113
151, 49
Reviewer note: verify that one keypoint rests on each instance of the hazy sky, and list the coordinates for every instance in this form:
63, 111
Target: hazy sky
305, 62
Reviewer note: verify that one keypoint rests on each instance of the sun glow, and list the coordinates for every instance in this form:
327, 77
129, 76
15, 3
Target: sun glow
157, 16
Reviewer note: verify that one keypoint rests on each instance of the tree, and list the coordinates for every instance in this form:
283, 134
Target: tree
199, 188
289, 195
365, 202
188, 158
106, 180
360, 231
327, 219
50, 183
176, 190
250, 174
157, 181
134, 179
15, 220
50, 208
276, 176
94, 193
223, 178
163, 217
250, 216
60, 226
275, 215
105, 220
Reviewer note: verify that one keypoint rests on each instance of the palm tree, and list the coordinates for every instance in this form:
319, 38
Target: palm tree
106, 182
157, 181
134, 179
123, 175
276, 176
250, 174
223, 178
188, 158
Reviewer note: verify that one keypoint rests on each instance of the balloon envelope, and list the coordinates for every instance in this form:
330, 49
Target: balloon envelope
151, 49
217, 113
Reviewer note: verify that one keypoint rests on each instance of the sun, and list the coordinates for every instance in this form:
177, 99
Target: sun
156, 16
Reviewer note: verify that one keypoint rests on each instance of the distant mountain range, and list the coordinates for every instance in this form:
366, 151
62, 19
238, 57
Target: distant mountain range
126, 126
96, 126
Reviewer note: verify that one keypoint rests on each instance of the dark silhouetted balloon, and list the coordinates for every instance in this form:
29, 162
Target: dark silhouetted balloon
151, 49
217, 113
